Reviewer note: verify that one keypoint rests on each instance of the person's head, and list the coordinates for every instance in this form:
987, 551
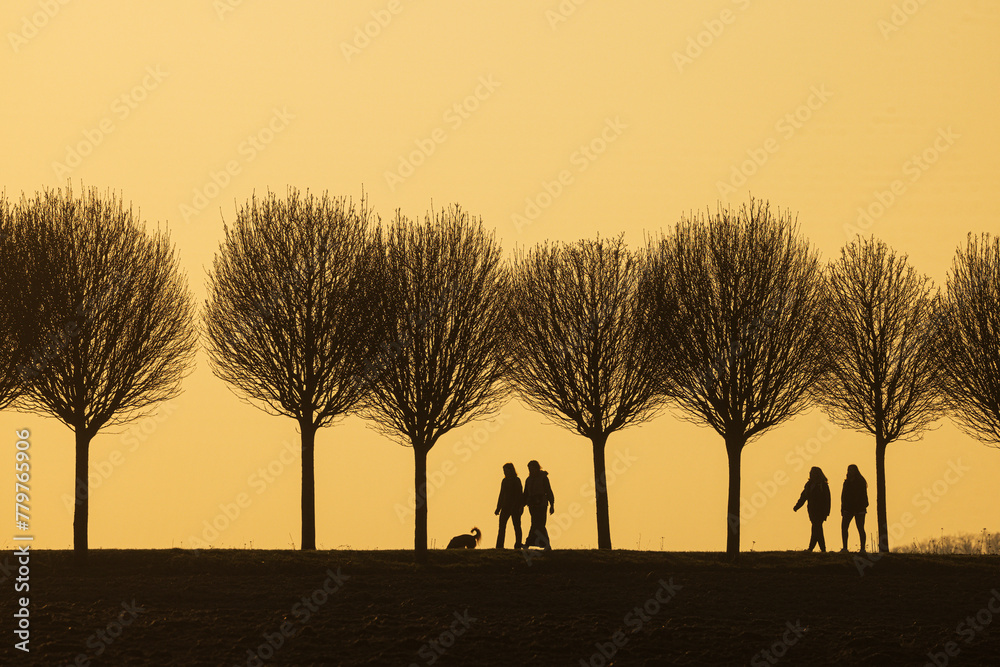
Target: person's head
508, 470
854, 473
533, 467
816, 473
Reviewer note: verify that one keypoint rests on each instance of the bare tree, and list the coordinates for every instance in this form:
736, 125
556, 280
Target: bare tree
969, 336
114, 312
883, 377
14, 347
580, 352
290, 316
443, 356
739, 317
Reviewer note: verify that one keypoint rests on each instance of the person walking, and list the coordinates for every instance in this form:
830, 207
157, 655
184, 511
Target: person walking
538, 496
816, 497
510, 505
854, 504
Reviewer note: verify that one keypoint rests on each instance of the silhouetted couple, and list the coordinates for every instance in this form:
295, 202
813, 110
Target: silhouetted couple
853, 505
536, 495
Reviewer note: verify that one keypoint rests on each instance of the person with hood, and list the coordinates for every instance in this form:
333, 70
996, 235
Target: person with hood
510, 505
854, 504
816, 497
538, 496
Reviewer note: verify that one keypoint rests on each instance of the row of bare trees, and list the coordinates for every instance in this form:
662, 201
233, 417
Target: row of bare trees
316, 311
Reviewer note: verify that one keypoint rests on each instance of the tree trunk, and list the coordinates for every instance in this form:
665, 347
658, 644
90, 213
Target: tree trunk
734, 448
601, 493
81, 511
308, 485
883, 522
420, 503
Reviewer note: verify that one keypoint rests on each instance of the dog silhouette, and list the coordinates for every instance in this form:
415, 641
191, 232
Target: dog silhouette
466, 541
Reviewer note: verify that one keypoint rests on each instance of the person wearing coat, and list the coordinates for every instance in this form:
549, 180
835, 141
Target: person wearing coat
538, 497
510, 505
816, 497
854, 504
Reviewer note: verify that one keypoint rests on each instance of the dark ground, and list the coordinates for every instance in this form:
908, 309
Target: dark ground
212, 608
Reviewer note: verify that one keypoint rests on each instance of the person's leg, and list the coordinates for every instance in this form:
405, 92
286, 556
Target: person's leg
516, 520
812, 535
532, 529
543, 539
859, 521
502, 530
845, 524
820, 537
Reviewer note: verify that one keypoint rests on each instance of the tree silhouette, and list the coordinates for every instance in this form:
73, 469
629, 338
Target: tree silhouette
114, 312
445, 336
15, 346
883, 376
290, 315
969, 335
739, 319
580, 352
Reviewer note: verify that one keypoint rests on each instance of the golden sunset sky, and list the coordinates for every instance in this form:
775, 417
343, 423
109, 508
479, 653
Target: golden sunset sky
553, 121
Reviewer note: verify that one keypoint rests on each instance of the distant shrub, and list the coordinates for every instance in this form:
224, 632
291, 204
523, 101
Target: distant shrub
965, 543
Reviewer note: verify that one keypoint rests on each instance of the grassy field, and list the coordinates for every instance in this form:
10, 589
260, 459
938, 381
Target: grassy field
985, 543
246, 607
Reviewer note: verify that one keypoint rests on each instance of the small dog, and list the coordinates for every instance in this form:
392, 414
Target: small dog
466, 541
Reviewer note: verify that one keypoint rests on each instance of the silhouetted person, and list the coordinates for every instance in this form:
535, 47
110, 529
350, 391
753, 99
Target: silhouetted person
538, 496
853, 504
510, 505
816, 497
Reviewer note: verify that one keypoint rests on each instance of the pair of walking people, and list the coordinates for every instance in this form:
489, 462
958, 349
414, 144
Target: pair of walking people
853, 505
536, 495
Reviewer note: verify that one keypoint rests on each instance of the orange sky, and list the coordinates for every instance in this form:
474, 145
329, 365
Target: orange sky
552, 125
